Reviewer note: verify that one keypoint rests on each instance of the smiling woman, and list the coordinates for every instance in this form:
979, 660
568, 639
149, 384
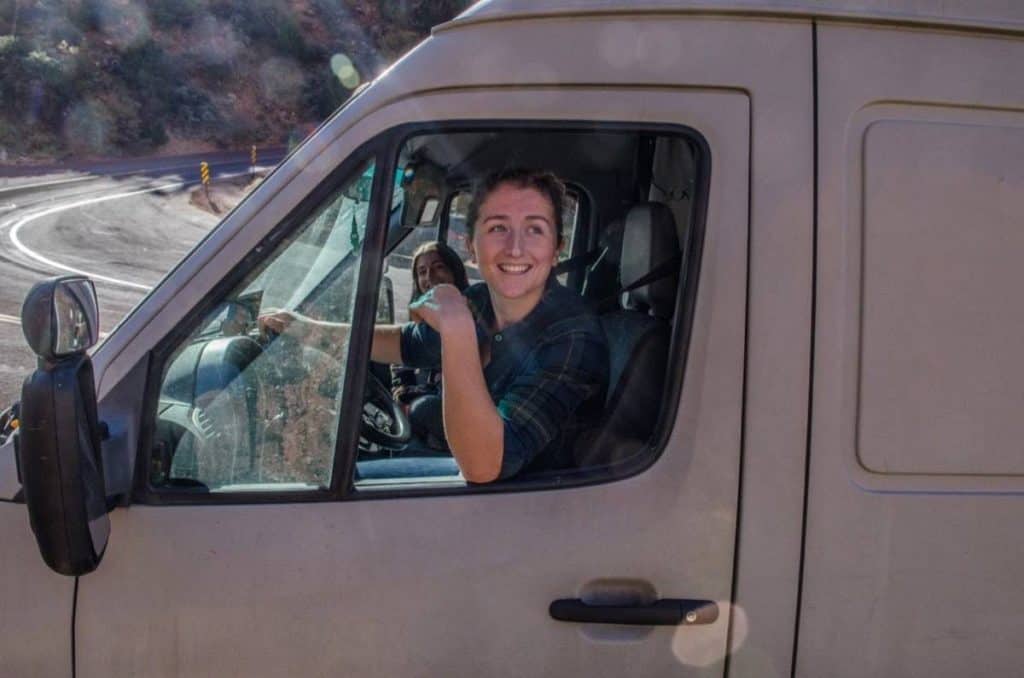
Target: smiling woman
525, 363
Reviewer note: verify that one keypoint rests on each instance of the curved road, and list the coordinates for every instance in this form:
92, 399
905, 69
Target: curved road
125, 230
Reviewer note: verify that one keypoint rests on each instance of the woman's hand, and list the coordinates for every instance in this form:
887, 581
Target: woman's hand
443, 308
285, 322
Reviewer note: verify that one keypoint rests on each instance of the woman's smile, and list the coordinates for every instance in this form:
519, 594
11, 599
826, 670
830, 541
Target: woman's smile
514, 269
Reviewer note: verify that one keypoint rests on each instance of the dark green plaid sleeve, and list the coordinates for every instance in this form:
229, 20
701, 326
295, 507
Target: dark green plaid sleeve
541, 404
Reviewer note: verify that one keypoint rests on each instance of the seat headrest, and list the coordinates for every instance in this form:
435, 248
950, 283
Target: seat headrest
649, 239
610, 239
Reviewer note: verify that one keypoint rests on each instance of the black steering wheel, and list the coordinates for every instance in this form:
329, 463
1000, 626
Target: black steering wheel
384, 421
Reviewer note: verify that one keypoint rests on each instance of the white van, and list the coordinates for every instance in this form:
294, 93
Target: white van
810, 462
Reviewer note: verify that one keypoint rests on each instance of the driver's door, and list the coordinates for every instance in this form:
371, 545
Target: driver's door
310, 577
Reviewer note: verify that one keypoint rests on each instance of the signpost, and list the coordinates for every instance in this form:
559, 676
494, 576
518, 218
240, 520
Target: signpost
204, 175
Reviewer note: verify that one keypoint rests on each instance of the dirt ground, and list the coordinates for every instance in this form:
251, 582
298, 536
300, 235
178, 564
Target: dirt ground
221, 196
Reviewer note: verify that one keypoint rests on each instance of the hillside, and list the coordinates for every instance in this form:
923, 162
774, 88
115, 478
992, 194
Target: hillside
109, 78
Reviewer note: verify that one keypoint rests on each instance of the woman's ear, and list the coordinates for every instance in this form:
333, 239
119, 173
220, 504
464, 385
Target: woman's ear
558, 253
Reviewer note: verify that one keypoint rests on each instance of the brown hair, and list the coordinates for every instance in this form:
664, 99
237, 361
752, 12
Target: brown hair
450, 259
544, 182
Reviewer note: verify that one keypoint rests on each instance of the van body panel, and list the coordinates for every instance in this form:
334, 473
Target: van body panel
777, 389
939, 380
460, 584
36, 603
912, 554
962, 13
768, 62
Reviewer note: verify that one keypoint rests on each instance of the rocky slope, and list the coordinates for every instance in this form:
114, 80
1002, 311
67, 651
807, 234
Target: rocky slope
109, 78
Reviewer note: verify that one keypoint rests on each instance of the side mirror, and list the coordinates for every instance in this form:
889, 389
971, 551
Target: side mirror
59, 437
60, 317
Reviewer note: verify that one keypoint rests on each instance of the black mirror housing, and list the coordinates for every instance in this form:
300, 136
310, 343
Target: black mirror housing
58, 442
61, 467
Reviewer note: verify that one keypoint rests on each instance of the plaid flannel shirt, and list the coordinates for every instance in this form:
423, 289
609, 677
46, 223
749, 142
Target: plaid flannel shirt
547, 376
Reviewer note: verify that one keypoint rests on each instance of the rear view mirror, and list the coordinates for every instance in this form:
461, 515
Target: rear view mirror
428, 212
59, 438
386, 303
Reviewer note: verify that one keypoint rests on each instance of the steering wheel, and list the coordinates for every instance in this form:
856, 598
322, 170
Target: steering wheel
384, 421
284, 356
205, 413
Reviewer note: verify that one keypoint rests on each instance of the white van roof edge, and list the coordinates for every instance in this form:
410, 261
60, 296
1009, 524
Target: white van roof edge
1008, 17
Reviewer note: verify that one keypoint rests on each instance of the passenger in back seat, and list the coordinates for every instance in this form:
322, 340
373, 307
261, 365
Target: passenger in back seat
433, 263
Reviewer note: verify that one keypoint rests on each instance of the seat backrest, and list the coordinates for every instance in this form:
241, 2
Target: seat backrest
638, 338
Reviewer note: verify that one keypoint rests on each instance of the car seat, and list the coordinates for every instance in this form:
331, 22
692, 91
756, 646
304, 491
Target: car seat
638, 333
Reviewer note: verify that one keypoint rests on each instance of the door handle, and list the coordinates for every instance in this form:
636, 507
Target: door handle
664, 612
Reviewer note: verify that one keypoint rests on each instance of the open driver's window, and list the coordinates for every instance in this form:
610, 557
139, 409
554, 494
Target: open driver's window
624, 266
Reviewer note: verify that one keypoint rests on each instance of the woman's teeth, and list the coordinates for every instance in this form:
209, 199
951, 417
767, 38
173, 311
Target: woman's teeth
513, 268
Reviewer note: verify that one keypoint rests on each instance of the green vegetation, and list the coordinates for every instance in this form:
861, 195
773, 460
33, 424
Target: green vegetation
121, 77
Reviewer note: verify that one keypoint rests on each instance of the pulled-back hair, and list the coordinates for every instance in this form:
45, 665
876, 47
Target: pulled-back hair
448, 257
544, 182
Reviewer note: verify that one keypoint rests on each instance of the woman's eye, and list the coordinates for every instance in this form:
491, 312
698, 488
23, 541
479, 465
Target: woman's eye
497, 228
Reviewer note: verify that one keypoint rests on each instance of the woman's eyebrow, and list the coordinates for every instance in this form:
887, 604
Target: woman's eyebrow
504, 217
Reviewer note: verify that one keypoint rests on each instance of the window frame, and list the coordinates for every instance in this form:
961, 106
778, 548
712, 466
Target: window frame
384, 149
681, 330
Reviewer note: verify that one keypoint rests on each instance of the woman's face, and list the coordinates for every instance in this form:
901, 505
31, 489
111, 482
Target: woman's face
515, 243
431, 270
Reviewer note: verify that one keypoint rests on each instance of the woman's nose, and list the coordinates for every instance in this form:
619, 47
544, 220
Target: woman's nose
514, 242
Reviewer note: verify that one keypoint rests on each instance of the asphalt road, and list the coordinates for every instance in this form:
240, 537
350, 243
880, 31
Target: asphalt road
125, 224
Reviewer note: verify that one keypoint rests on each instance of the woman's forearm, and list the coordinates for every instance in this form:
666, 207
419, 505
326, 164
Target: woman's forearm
387, 339
387, 342
472, 425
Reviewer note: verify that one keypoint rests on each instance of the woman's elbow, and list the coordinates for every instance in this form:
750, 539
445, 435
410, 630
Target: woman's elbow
478, 468
479, 454
481, 473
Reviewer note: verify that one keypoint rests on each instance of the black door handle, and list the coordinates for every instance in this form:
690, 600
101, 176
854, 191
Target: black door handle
664, 612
